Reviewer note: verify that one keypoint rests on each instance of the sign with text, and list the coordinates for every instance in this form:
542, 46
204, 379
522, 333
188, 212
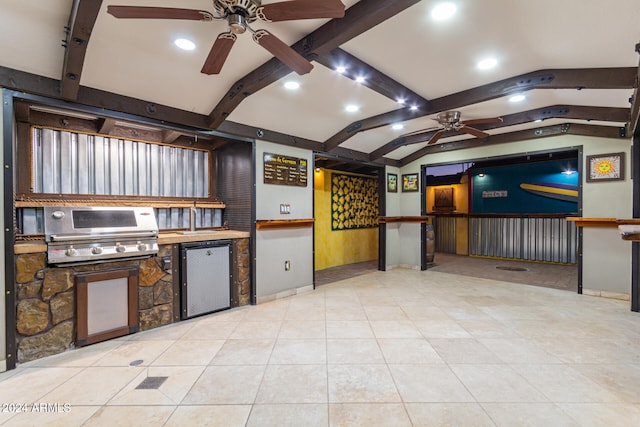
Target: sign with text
284, 170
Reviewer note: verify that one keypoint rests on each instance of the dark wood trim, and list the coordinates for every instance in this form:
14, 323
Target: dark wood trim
585, 78
268, 135
82, 281
23, 158
555, 111
11, 351
81, 22
105, 126
523, 135
358, 19
375, 79
270, 224
425, 219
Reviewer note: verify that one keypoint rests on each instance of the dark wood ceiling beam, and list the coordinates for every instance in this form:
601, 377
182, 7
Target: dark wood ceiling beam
579, 112
28, 82
523, 135
373, 79
81, 22
105, 126
584, 78
168, 136
359, 18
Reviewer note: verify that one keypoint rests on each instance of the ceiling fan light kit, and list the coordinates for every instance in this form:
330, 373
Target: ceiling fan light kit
239, 14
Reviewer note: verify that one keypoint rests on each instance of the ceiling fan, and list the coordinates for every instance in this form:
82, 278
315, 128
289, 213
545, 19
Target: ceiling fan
239, 14
450, 121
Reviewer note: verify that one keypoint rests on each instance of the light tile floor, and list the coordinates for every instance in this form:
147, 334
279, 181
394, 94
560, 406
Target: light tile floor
395, 348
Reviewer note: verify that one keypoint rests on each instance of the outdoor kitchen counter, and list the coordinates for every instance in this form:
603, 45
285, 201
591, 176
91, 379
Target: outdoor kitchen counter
200, 236
35, 246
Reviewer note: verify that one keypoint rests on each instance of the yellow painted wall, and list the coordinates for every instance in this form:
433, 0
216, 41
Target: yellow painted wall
334, 248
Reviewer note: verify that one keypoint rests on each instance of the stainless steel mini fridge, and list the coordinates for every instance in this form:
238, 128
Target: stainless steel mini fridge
205, 277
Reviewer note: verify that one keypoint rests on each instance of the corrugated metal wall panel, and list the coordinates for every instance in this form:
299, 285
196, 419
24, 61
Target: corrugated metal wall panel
444, 229
535, 239
72, 163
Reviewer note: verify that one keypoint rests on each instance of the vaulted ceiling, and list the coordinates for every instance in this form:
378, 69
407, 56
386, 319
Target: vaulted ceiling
575, 61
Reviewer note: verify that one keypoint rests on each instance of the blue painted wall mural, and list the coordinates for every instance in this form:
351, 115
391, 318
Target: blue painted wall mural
542, 187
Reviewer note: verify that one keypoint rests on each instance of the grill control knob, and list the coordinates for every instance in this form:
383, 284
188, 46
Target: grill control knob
71, 251
120, 248
142, 246
96, 250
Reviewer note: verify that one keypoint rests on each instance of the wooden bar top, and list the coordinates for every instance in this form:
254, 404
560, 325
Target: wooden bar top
263, 224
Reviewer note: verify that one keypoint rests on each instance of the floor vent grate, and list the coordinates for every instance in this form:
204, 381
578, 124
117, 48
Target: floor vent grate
151, 383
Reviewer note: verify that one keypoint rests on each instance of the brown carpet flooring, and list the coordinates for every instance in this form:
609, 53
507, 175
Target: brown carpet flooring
557, 276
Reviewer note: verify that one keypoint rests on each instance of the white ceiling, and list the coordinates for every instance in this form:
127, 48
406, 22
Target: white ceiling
137, 58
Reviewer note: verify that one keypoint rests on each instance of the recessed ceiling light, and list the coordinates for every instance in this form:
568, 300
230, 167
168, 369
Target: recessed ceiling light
341, 70
538, 121
443, 11
487, 63
401, 101
414, 107
517, 98
291, 85
351, 108
360, 79
397, 126
185, 44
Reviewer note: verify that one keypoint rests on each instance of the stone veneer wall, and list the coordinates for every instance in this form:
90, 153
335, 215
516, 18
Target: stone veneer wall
45, 305
240, 293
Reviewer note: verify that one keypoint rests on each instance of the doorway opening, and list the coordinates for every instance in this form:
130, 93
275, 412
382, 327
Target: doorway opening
347, 201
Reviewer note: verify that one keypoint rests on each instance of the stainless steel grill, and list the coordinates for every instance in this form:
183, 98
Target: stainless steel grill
87, 234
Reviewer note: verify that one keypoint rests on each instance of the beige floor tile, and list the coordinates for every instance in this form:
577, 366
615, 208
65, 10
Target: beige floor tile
441, 329
353, 351
93, 386
27, 385
306, 314
408, 351
210, 330
178, 382
210, 415
341, 313
423, 312
293, 384
623, 380
292, 329
230, 385
349, 329
186, 352
395, 329
562, 383
496, 383
528, 415
127, 416
463, 350
244, 352
256, 330
361, 384
168, 332
368, 414
603, 414
289, 415
299, 352
132, 351
81, 357
428, 383
518, 350
52, 415
488, 329
448, 414
381, 312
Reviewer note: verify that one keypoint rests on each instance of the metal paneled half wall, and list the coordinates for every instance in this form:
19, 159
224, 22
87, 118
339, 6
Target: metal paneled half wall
65, 162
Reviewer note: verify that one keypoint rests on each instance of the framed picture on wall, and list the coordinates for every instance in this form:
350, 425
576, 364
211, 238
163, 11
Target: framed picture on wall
392, 183
605, 167
410, 182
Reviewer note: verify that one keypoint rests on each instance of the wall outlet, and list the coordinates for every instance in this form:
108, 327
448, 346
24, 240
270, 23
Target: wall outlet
287, 265
285, 209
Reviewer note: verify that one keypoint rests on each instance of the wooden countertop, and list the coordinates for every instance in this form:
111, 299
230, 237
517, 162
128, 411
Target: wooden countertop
35, 246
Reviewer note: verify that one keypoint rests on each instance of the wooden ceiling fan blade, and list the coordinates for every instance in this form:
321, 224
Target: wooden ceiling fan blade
218, 53
474, 131
284, 53
300, 9
488, 120
143, 12
436, 136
